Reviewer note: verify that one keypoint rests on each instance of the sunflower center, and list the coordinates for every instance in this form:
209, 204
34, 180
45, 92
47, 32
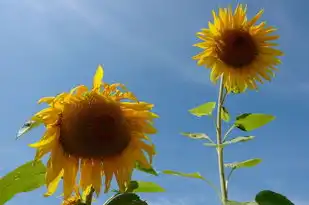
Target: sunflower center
237, 48
93, 128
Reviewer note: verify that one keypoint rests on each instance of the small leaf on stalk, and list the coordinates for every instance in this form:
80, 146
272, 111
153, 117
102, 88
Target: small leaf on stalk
204, 109
25, 178
196, 135
225, 114
29, 125
244, 164
188, 175
150, 170
145, 187
213, 145
239, 139
252, 121
125, 199
267, 197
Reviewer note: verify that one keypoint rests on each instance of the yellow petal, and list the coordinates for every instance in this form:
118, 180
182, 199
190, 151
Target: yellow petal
47, 100
85, 174
96, 177
97, 79
52, 186
80, 90
69, 176
47, 139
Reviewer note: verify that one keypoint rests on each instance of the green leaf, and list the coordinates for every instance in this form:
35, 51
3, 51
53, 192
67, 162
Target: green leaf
188, 175
145, 187
239, 139
150, 170
125, 199
196, 136
251, 121
244, 164
240, 203
267, 197
204, 109
29, 125
25, 178
225, 114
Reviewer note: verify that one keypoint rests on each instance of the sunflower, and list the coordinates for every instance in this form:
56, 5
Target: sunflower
239, 49
94, 133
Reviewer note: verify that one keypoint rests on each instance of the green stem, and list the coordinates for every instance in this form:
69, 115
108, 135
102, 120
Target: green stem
228, 132
219, 142
89, 197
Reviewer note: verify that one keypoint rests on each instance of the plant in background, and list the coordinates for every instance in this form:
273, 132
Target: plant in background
102, 132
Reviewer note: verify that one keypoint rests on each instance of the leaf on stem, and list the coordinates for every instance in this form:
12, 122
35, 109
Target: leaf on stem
125, 199
252, 121
267, 197
29, 125
244, 164
239, 139
196, 175
225, 114
204, 109
196, 136
25, 178
145, 187
150, 170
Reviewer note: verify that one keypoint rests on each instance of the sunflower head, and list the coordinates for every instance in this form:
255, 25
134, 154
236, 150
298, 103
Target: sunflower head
238, 49
98, 132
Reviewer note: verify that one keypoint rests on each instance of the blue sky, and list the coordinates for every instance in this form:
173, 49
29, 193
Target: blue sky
47, 47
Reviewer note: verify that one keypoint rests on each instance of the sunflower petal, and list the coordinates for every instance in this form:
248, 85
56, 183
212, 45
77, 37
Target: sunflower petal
97, 79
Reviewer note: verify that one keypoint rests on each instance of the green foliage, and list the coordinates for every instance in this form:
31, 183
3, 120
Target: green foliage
238, 140
241, 203
25, 178
204, 109
125, 199
196, 136
145, 187
150, 170
267, 197
29, 125
225, 114
244, 164
251, 121
196, 175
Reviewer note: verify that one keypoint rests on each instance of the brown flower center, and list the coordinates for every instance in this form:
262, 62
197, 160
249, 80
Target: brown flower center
93, 128
237, 48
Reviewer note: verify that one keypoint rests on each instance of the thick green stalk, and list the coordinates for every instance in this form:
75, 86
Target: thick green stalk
219, 142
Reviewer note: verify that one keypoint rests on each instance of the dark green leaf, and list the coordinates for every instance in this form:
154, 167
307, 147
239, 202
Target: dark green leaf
204, 109
25, 178
141, 186
189, 175
252, 121
196, 135
244, 164
125, 199
268, 197
150, 170
225, 114
239, 139
29, 125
